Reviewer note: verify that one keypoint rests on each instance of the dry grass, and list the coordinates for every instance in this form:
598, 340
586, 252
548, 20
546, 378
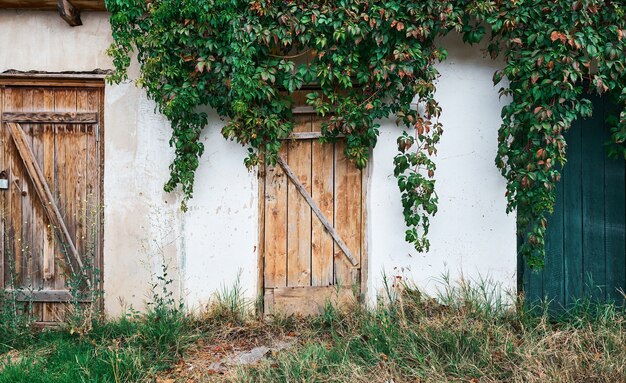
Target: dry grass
468, 338
468, 334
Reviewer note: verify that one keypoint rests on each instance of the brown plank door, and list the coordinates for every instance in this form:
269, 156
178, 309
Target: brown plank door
312, 225
50, 198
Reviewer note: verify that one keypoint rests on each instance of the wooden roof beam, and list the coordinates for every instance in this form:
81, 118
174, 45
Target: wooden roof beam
69, 13
51, 5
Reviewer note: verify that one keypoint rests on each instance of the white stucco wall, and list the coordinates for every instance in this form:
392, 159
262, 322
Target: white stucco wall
471, 235
214, 242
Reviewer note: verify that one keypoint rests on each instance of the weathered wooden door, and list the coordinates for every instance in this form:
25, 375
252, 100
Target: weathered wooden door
50, 204
312, 224
586, 235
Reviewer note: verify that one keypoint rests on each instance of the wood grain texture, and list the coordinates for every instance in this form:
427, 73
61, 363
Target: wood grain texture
64, 101
50, 274
311, 300
26, 186
3, 207
299, 216
553, 281
593, 207
347, 215
42, 189
322, 193
69, 12
54, 154
275, 236
327, 225
573, 215
363, 272
51, 117
586, 248
319, 186
13, 100
614, 220
260, 248
46, 296
57, 80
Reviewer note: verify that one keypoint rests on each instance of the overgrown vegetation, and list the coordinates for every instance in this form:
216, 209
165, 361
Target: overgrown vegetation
369, 59
470, 333
85, 347
558, 54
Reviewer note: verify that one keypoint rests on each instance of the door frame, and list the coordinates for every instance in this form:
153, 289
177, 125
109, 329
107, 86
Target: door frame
75, 81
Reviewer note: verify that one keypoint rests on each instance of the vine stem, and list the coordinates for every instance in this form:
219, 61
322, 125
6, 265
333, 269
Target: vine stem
290, 56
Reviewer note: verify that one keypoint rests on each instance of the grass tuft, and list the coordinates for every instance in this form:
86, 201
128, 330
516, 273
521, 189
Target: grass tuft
470, 333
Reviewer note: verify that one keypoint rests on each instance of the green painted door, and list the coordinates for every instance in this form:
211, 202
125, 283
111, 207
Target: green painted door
586, 236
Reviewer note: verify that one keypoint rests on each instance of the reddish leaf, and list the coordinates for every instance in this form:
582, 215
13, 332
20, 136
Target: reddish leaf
555, 35
419, 127
534, 78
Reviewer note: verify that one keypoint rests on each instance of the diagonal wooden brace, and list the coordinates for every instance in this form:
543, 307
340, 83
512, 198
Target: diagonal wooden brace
331, 230
43, 191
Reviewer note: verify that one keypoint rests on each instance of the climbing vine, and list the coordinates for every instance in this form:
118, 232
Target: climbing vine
558, 53
373, 59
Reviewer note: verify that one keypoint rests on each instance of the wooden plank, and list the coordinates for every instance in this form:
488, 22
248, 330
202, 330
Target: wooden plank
364, 264
3, 207
322, 193
594, 266
98, 169
533, 286
42, 188
534, 294
347, 214
299, 212
53, 80
45, 158
303, 110
268, 301
308, 135
48, 239
554, 283
86, 166
275, 225
33, 211
13, 100
261, 244
69, 13
44, 296
311, 300
50, 117
65, 101
615, 221
573, 215
75, 209
318, 213
27, 207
